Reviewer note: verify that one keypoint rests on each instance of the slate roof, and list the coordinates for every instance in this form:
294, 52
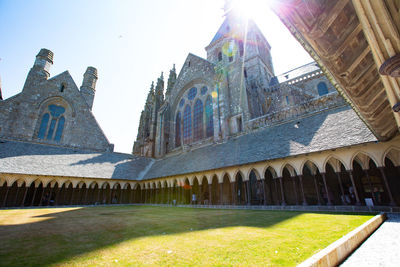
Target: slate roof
30, 158
326, 130
298, 72
331, 129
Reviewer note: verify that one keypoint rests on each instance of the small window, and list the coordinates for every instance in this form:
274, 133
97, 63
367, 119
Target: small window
287, 100
62, 87
322, 88
189, 64
220, 56
245, 72
239, 124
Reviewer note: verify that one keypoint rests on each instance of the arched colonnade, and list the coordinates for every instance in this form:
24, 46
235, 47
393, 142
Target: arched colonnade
349, 176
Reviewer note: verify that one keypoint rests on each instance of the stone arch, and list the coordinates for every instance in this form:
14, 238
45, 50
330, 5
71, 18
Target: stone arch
204, 191
240, 188
362, 158
335, 162
258, 176
290, 169
270, 186
215, 194
271, 170
221, 178
311, 165
393, 154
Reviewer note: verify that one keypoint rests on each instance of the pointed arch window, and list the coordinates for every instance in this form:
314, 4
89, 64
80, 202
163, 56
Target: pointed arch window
198, 120
178, 130
187, 125
54, 129
209, 118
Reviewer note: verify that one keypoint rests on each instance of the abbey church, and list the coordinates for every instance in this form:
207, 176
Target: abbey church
224, 130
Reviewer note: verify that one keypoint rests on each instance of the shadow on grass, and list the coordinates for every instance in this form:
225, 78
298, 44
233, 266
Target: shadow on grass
60, 236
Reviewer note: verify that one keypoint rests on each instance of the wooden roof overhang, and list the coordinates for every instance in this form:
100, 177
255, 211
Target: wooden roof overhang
351, 39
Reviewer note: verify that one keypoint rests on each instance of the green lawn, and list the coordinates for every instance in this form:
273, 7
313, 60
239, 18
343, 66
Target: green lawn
135, 235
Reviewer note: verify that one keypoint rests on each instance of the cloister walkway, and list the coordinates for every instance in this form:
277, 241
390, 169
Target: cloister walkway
382, 248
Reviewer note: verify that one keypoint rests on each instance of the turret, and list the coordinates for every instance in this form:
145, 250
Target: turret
171, 81
160, 91
88, 87
41, 68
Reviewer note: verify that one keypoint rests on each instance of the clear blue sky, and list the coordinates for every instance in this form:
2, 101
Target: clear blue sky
129, 42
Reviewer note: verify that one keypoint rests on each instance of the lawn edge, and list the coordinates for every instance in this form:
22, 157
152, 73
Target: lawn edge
338, 251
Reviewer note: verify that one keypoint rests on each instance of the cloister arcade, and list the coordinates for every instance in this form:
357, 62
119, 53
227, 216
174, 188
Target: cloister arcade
347, 176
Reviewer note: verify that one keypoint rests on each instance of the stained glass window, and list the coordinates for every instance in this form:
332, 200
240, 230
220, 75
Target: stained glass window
322, 88
198, 120
209, 117
43, 126
178, 130
53, 115
60, 128
181, 103
204, 90
192, 93
187, 125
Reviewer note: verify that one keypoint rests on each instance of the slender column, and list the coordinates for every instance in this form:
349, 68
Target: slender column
121, 195
183, 195
221, 193
317, 189
392, 203
190, 195
34, 195
370, 186
98, 194
209, 194
16, 196
130, 195
302, 190
57, 196
295, 189
51, 192
233, 193
264, 193
276, 191
86, 193
41, 196
247, 184
169, 191
145, 195
24, 197
326, 189
354, 187
341, 188
282, 193
72, 196
5, 197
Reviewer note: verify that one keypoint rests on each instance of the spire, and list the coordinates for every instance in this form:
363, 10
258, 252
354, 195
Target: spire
171, 80
150, 94
160, 85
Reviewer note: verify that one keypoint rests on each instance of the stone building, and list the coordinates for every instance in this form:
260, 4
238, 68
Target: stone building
227, 129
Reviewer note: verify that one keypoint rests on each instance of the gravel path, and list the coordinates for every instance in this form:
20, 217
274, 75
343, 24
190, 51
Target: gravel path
382, 248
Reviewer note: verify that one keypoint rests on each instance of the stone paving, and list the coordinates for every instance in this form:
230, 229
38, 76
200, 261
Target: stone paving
382, 248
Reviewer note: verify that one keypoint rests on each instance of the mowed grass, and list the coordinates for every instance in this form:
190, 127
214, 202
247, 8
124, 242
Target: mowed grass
167, 236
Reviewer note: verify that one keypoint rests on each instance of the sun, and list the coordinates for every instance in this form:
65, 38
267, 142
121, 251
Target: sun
249, 9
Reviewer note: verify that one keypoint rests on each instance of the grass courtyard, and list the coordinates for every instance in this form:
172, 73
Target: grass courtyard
142, 235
